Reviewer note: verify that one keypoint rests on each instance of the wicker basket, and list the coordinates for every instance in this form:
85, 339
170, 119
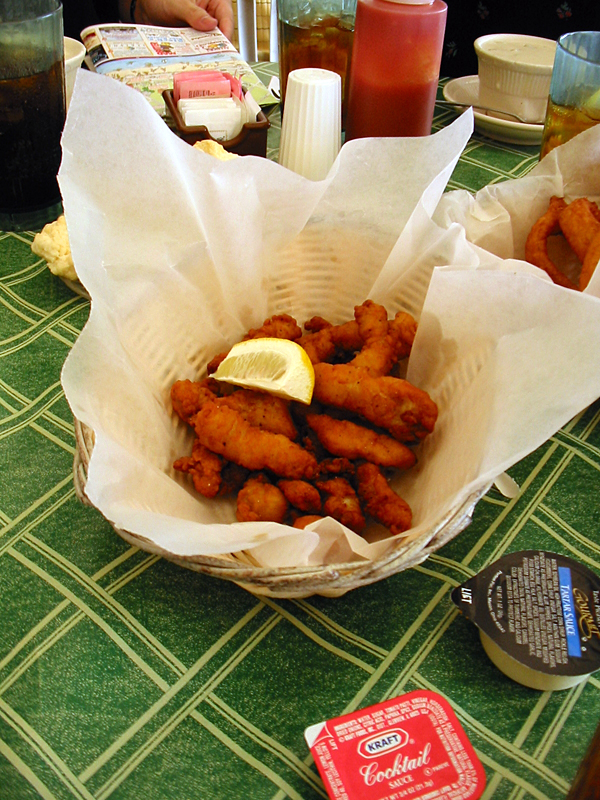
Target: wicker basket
331, 580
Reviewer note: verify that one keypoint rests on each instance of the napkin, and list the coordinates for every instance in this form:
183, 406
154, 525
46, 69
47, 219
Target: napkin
181, 254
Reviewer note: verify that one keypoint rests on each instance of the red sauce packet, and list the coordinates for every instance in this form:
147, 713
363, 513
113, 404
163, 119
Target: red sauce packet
411, 746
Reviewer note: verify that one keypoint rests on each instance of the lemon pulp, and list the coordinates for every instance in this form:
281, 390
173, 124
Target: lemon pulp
278, 366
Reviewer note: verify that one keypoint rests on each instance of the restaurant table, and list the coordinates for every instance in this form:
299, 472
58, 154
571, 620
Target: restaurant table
124, 676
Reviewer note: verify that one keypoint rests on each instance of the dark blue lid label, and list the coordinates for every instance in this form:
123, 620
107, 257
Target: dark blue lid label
568, 608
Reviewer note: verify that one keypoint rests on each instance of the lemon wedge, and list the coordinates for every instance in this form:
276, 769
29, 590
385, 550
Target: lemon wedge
278, 366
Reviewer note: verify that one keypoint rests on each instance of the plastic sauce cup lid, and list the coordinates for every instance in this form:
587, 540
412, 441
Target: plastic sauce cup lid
538, 615
411, 746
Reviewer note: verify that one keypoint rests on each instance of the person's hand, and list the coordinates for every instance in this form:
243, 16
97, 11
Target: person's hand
204, 15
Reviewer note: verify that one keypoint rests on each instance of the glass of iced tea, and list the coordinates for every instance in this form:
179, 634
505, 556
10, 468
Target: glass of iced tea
318, 33
32, 111
574, 101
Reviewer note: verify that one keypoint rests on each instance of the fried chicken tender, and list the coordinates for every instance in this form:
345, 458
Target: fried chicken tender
580, 222
225, 431
342, 503
536, 246
403, 329
407, 412
345, 438
377, 353
233, 477
372, 321
315, 324
335, 466
280, 326
259, 501
326, 340
188, 397
384, 343
265, 411
301, 495
380, 342
380, 501
302, 522
205, 469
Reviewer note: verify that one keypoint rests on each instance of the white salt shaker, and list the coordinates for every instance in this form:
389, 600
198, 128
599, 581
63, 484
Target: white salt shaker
311, 131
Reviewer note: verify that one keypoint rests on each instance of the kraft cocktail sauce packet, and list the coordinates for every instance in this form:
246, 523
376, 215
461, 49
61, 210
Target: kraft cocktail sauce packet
538, 615
411, 746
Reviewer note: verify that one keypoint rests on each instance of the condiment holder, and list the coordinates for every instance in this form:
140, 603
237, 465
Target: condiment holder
251, 141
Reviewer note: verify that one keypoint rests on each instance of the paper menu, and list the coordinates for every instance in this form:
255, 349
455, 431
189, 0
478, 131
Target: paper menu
146, 57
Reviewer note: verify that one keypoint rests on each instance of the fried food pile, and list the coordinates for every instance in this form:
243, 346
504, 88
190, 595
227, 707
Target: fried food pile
579, 223
292, 463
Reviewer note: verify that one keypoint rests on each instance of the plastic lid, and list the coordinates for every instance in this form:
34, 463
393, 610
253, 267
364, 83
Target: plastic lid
540, 616
411, 2
411, 746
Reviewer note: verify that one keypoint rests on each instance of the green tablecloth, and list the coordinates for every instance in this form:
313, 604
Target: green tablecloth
123, 676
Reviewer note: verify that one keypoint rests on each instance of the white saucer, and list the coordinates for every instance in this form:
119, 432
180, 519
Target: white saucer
466, 90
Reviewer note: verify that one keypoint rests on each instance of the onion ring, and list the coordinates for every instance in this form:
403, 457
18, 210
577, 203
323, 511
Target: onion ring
579, 224
536, 246
590, 262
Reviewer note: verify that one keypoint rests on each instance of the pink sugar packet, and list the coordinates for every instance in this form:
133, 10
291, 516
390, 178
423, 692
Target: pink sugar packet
200, 83
236, 86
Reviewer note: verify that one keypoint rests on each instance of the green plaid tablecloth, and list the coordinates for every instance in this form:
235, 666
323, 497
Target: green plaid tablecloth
123, 676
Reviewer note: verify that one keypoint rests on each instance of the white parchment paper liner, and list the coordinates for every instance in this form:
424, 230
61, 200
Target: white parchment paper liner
181, 254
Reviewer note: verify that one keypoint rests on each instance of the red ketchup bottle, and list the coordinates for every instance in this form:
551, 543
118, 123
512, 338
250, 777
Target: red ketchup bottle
395, 67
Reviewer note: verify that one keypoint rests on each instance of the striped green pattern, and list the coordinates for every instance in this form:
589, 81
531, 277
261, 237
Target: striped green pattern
125, 677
